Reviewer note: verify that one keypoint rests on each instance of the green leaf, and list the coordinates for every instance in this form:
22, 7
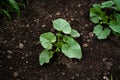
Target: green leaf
97, 6
62, 25
74, 33
115, 26
107, 4
100, 32
117, 34
6, 13
45, 56
15, 5
96, 14
117, 2
47, 39
71, 48
117, 17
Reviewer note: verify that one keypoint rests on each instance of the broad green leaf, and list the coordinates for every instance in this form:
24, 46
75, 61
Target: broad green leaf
45, 56
97, 6
47, 39
62, 25
96, 15
74, 33
71, 48
117, 2
117, 34
15, 5
115, 26
100, 32
107, 4
117, 17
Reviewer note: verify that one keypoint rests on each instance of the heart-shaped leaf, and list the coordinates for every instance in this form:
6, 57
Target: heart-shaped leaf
107, 4
96, 6
47, 39
117, 17
117, 4
115, 26
74, 33
45, 56
62, 25
96, 15
71, 48
100, 32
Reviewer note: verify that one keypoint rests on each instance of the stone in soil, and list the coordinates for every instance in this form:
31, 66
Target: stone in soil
21, 45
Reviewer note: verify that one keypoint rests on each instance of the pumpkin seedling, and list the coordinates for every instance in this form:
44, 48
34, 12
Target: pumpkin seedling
107, 17
62, 41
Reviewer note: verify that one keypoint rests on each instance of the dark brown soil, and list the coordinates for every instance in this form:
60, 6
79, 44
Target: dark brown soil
20, 47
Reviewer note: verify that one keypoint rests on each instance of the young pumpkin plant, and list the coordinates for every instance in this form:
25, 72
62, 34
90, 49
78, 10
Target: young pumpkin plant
62, 41
107, 17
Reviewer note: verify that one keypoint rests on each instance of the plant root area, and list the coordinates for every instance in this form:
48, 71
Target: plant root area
20, 46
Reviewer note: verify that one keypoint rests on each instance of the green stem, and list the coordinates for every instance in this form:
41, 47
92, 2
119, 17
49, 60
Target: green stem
58, 37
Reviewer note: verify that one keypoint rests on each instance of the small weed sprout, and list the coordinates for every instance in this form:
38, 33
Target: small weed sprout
62, 41
9, 6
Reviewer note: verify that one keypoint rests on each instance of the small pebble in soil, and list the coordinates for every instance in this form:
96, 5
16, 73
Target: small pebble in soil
105, 78
26, 61
50, 16
85, 45
26, 55
9, 51
88, 40
63, 73
81, 13
24, 41
58, 13
104, 59
72, 77
1, 66
5, 42
58, 70
81, 34
11, 68
91, 34
22, 57
52, 30
9, 56
13, 39
15, 74
21, 45
86, 25
43, 25
75, 11
79, 5
27, 25
76, 74
108, 65
71, 19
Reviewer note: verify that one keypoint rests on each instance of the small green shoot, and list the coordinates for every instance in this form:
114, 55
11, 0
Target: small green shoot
9, 6
62, 41
107, 17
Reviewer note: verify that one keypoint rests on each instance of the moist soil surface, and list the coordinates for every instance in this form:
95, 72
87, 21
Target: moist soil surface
20, 46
